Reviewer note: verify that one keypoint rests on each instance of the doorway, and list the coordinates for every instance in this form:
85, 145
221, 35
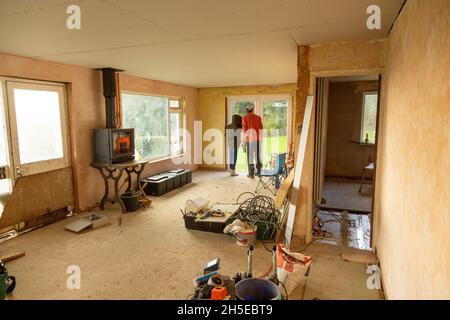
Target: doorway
276, 114
33, 137
347, 111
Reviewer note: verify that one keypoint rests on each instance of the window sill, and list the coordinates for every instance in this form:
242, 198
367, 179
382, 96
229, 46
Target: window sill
165, 158
363, 143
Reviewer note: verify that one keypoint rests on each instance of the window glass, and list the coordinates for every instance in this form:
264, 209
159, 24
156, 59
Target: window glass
239, 106
149, 117
275, 120
174, 104
369, 119
38, 125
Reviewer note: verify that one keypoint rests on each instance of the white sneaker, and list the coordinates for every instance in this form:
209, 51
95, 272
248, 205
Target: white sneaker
233, 173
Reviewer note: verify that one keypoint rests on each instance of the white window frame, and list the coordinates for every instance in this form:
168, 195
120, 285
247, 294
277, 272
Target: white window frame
179, 111
170, 110
17, 169
362, 137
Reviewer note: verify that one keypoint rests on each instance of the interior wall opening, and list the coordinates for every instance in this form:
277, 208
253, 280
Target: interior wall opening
347, 111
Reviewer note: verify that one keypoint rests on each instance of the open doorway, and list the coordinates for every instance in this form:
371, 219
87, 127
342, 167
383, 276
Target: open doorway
276, 113
345, 159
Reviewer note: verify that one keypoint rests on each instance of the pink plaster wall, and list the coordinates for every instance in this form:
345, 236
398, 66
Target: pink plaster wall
86, 111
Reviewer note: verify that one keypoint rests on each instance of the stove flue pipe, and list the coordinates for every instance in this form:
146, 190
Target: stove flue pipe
110, 93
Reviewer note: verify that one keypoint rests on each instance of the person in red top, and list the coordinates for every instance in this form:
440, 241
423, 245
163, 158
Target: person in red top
252, 128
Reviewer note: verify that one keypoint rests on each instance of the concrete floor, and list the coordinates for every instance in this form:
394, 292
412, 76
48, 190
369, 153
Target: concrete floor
332, 278
152, 256
344, 195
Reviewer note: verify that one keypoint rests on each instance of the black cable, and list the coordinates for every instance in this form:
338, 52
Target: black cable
285, 290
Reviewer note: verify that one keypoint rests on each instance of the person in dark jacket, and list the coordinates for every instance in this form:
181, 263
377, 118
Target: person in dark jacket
233, 133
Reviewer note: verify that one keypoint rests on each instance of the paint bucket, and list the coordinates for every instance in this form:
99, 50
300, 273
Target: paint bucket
257, 289
245, 237
131, 200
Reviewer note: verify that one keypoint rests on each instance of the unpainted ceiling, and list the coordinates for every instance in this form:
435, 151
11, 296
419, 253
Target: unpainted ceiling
201, 43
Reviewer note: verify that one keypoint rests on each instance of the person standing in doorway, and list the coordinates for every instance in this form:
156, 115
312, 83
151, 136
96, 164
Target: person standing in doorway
233, 133
252, 128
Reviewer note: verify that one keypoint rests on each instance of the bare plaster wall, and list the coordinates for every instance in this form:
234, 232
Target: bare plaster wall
413, 214
86, 111
346, 158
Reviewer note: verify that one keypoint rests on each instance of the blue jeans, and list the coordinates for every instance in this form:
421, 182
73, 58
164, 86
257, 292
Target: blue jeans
254, 157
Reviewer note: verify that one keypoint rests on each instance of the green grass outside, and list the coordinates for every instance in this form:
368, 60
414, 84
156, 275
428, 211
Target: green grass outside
270, 145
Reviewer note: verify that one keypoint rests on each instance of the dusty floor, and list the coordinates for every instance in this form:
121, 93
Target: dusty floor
332, 278
152, 256
341, 194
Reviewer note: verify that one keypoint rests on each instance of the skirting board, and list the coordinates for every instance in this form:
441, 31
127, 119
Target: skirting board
298, 169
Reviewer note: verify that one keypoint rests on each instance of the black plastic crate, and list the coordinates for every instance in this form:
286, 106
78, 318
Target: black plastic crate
190, 223
170, 183
181, 173
156, 185
188, 176
176, 179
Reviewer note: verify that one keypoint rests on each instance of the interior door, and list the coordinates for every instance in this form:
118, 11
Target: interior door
38, 125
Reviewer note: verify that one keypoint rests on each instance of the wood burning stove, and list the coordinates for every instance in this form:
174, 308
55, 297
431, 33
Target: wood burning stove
113, 145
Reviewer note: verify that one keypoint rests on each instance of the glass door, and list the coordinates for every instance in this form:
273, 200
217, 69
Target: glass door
238, 105
276, 114
38, 122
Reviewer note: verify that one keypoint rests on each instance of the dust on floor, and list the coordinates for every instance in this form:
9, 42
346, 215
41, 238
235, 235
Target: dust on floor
344, 195
151, 256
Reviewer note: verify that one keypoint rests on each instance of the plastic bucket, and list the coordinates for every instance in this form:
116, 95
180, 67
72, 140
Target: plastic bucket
131, 200
257, 289
263, 231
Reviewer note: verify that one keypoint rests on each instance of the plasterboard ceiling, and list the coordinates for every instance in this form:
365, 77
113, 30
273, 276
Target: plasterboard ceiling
201, 43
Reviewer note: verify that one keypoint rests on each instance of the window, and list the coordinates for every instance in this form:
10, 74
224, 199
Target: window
157, 122
369, 117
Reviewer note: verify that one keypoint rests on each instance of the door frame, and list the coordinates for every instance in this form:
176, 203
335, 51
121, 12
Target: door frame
4, 100
317, 134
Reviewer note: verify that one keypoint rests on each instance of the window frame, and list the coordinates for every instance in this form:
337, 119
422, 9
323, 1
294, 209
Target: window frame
363, 110
179, 110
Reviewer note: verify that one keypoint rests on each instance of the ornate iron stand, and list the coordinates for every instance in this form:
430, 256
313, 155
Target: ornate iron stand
115, 172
